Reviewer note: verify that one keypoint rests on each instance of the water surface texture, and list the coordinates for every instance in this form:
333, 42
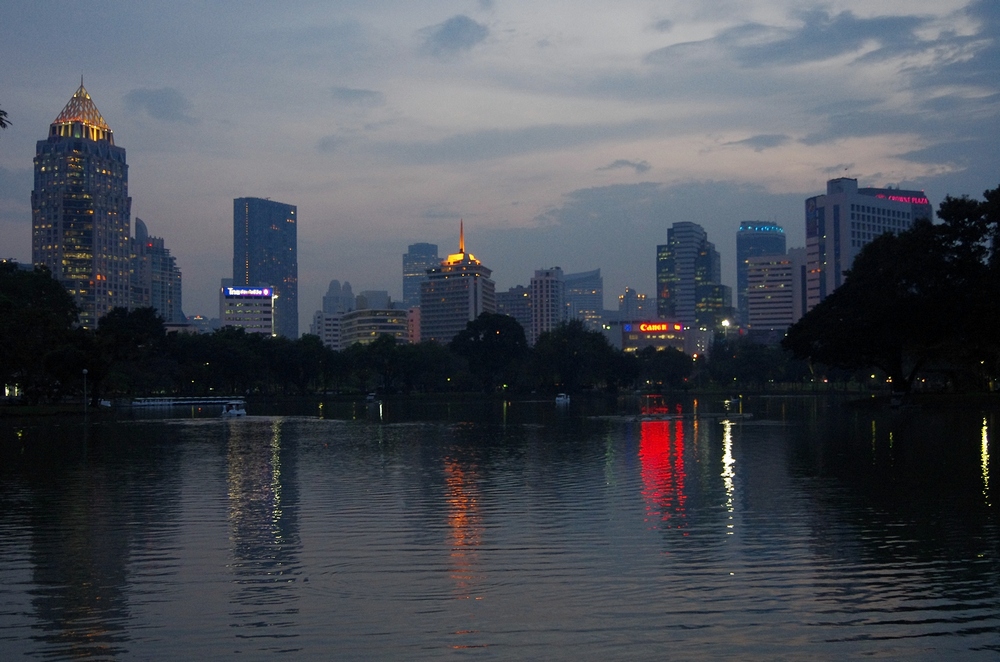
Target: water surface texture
520, 532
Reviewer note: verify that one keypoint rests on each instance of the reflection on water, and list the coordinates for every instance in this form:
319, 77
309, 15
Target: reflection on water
263, 534
662, 454
809, 532
985, 462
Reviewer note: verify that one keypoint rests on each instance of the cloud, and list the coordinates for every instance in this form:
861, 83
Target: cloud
639, 166
458, 33
663, 25
762, 142
329, 144
500, 143
165, 104
358, 97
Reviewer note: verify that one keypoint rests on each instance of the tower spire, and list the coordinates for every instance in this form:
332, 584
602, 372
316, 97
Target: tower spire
461, 235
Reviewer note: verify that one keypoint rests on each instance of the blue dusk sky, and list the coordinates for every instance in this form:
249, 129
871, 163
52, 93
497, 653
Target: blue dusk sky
565, 133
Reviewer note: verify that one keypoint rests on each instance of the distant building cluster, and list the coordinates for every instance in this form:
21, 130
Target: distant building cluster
82, 231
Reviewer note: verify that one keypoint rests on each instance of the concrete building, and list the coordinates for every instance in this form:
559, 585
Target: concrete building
548, 309
841, 222
776, 294
338, 298
754, 238
81, 210
154, 278
516, 302
265, 250
584, 296
366, 325
633, 306
456, 292
248, 308
327, 327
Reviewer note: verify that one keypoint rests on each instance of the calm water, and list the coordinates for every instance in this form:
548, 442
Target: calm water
479, 530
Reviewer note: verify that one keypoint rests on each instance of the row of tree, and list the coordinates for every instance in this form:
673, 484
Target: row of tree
45, 353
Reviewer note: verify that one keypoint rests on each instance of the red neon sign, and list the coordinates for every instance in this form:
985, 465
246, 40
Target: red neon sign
654, 327
904, 198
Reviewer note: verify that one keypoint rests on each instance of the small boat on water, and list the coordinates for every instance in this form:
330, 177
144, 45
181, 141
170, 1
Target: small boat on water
234, 408
562, 399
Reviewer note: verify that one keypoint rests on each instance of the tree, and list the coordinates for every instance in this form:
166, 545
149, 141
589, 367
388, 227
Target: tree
571, 357
4, 122
925, 297
494, 346
667, 367
37, 316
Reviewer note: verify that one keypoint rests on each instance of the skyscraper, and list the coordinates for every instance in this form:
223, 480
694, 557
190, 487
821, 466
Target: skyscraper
416, 261
840, 223
456, 292
754, 239
155, 278
81, 210
548, 309
584, 294
265, 253
688, 278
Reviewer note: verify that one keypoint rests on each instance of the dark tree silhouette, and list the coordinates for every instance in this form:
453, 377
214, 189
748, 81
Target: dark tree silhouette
494, 346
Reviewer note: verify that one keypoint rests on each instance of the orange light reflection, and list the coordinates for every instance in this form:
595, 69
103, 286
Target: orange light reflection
465, 528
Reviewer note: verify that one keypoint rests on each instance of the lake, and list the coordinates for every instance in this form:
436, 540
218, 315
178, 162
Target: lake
483, 529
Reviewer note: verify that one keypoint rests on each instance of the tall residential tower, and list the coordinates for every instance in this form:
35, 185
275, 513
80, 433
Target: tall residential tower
265, 253
81, 210
456, 292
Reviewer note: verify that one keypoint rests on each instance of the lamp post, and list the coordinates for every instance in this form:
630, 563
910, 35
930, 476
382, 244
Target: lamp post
725, 329
84, 390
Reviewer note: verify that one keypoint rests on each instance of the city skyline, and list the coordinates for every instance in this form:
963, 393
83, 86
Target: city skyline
570, 138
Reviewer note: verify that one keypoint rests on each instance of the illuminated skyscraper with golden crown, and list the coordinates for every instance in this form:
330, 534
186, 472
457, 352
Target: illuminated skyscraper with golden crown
81, 210
455, 293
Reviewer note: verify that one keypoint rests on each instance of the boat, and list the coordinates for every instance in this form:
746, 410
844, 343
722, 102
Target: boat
234, 408
562, 399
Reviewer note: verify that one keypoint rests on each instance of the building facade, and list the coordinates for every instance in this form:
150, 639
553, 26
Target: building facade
416, 261
840, 223
338, 298
265, 252
457, 291
154, 278
776, 293
548, 303
81, 210
584, 295
248, 308
365, 325
754, 238
516, 303
688, 279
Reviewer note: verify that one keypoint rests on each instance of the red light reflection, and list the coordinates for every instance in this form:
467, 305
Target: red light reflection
661, 451
465, 528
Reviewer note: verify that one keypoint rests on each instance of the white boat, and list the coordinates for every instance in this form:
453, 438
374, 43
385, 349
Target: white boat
562, 399
234, 408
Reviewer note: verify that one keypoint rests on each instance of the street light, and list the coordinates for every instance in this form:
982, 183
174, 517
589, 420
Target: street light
725, 329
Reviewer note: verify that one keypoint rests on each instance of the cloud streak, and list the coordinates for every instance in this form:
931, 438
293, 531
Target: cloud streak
457, 34
166, 104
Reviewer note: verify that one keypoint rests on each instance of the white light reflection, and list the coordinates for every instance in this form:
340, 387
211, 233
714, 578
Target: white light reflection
728, 470
985, 457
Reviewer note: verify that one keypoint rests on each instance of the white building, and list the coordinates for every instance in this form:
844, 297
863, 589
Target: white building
548, 307
776, 296
248, 308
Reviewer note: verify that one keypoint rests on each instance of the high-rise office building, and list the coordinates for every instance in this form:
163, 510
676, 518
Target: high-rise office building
776, 296
516, 303
81, 210
416, 261
457, 291
265, 253
155, 279
632, 306
548, 307
688, 279
339, 298
584, 296
840, 223
754, 238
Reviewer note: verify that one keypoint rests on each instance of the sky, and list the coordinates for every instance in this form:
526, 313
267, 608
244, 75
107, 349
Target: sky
564, 133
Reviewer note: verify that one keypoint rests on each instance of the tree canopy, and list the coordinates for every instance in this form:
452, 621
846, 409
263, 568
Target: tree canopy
923, 299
